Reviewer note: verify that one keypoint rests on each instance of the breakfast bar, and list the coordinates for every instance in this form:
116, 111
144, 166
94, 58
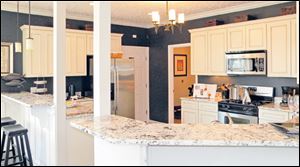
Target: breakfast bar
120, 140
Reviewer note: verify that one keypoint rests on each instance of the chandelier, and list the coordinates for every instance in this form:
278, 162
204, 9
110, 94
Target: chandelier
172, 20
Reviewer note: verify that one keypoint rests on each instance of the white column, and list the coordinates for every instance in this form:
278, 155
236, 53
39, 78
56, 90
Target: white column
59, 80
102, 58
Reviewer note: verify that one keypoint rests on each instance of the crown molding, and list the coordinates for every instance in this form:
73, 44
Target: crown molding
238, 8
75, 16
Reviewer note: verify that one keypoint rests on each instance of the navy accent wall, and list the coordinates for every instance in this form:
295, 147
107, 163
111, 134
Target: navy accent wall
159, 60
8, 34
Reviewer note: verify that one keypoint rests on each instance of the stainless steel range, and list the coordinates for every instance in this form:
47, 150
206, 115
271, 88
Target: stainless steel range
245, 112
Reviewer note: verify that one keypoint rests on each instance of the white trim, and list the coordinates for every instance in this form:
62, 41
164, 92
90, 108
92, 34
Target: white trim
171, 78
297, 20
102, 58
59, 80
253, 5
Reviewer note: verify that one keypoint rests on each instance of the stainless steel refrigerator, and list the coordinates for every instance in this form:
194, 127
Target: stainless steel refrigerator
123, 87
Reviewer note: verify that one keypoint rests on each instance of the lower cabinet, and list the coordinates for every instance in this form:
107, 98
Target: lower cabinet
271, 116
197, 112
3, 110
189, 116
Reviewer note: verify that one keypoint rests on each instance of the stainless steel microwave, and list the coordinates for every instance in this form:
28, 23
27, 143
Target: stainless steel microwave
246, 63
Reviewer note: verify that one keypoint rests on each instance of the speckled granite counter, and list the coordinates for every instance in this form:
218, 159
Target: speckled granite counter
201, 99
28, 99
276, 107
120, 130
83, 108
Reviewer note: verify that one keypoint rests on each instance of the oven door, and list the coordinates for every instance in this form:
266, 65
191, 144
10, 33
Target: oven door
246, 64
230, 118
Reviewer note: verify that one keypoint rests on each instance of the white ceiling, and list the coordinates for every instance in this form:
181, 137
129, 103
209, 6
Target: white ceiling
135, 13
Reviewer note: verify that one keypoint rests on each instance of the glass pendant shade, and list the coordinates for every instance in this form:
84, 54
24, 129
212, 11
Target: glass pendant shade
29, 43
18, 47
172, 15
181, 18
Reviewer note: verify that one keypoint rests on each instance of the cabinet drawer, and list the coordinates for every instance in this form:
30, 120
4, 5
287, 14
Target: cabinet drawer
273, 116
210, 107
187, 104
189, 116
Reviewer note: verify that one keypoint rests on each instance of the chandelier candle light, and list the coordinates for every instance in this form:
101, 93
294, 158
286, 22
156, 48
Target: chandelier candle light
172, 20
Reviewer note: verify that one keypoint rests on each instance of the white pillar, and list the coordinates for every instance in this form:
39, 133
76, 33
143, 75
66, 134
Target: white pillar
59, 80
102, 58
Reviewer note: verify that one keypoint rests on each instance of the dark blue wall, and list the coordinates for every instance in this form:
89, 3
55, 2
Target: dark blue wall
159, 60
8, 34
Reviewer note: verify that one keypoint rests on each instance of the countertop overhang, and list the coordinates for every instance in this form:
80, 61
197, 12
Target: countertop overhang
120, 130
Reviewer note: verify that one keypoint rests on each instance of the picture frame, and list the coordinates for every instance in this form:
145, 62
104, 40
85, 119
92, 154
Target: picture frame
180, 65
7, 54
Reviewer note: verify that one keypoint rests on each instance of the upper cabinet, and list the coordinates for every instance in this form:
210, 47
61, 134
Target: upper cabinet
217, 46
199, 48
279, 49
256, 37
277, 35
116, 43
79, 44
236, 38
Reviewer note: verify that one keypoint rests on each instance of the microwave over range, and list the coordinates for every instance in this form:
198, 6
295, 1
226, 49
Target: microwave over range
246, 63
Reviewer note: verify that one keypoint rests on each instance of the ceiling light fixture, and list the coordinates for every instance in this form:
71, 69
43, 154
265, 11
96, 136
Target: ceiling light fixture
29, 40
18, 45
172, 20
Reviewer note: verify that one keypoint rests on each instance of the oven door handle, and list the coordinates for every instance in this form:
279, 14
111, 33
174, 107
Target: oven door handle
230, 119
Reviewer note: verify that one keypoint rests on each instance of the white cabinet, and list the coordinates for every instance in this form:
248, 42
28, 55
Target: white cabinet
217, 47
199, 53
295, 56
236, 38
279, 49
277, 35
198, 112
271, 116
3, 109
90, 44
256, 36
38, 62
116, 43
189, 116
79, 44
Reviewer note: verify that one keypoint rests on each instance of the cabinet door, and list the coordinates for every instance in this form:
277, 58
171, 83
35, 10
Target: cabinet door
32, 58
89, 44
49, 55
279, 49
256, 37
189, 116
271, 116
3, 109
199, 53
207, 117
217, 47
81, 54
70, 54
236, 39
295, 56
116, 44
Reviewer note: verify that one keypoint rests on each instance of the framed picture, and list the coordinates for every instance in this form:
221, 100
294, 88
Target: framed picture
6, 58
180, 65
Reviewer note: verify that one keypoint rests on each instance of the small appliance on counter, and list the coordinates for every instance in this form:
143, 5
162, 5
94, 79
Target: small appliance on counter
288, 91
241, 112
40, 87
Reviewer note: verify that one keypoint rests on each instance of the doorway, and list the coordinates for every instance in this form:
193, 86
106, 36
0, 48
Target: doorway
180, 78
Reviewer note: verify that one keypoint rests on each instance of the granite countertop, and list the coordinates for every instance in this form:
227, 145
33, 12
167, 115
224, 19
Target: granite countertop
275, 106
28, 99
120, 130
215, 100
83, 107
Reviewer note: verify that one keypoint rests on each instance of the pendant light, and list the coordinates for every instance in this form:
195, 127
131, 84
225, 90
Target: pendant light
29, 40
18, 45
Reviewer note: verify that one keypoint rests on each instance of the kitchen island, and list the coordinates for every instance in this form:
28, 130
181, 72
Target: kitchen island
122, 141
37, 114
